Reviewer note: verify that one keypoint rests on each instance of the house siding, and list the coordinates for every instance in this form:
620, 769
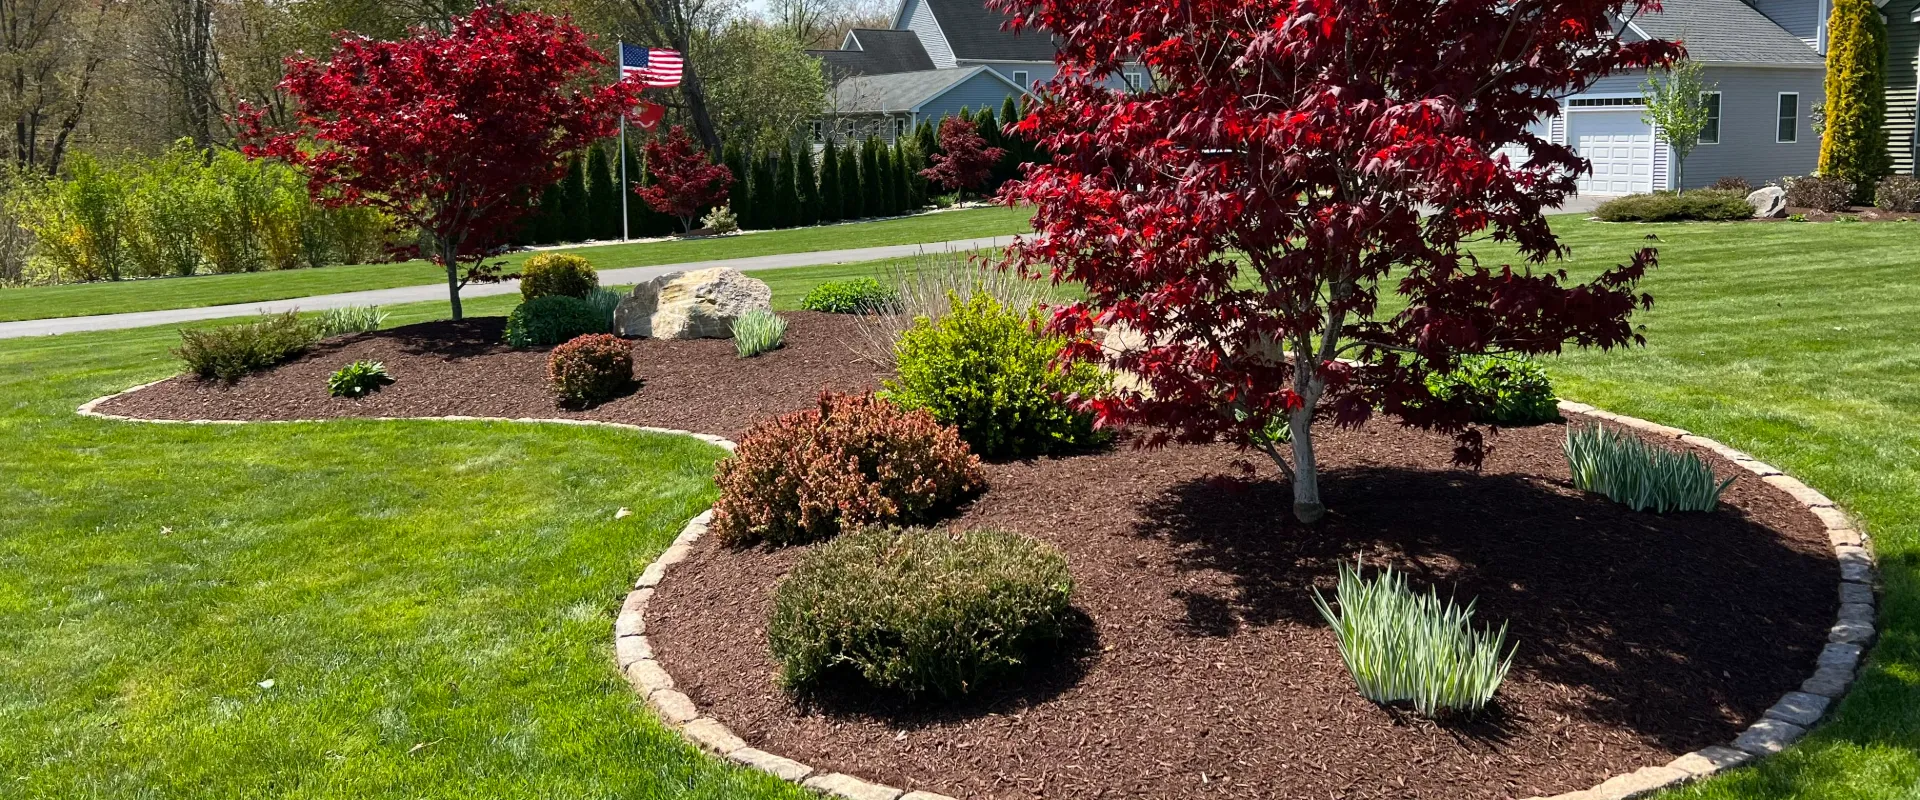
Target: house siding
1037, 72
919, 19
1903, 73
1749, 103
980, 91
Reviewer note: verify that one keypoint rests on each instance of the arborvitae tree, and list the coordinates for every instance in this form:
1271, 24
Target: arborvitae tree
926, 142
1854, 145
851, 198
786, 181
832, 208
809, 187
636, 176
902, 197
603, 204
541, 226
740, 193
571, 222
872, 196
883, 189
766, 194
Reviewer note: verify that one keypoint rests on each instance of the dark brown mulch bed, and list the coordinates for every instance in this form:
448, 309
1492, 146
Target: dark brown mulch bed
1202, 669
461, 368
1206, 671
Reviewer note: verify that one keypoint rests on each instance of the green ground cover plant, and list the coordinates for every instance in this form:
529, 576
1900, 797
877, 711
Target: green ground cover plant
1516, 390
358, 379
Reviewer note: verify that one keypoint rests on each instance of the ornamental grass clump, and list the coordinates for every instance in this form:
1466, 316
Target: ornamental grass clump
358, 379
231, 351
918, 611
1642, 476
351, 319
1405, 647
589, 370
851, 461
604, 302
758, 331
991, 372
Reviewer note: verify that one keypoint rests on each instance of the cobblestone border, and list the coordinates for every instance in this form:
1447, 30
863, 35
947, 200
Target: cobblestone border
1780, 726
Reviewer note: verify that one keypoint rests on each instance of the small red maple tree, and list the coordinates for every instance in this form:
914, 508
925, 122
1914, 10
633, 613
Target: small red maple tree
684, 182
965, 160
1292, 158
454, 132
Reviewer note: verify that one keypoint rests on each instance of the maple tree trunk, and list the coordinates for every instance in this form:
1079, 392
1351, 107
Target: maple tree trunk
1306, 471
448, 256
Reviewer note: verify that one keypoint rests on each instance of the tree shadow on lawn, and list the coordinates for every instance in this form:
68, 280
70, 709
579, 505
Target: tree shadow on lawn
1669, 626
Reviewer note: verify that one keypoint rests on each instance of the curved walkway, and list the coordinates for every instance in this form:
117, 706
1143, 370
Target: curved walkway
438, 291
1778, 728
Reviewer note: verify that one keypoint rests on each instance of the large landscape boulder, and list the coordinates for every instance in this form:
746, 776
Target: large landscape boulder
1768, 202
690, 305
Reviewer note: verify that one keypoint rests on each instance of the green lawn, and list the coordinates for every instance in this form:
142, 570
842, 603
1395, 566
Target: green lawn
43, 302
433, 600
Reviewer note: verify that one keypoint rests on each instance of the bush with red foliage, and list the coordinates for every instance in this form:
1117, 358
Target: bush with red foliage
855, 460
964, 161
685, 184
589, 370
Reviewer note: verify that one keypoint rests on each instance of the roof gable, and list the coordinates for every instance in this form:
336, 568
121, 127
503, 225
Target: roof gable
905, 91
976, 33
1725, 32
869, 51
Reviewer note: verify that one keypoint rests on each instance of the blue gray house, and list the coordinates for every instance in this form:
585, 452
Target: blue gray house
939, 57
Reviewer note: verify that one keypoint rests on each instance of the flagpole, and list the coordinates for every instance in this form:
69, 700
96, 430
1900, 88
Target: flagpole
619, 60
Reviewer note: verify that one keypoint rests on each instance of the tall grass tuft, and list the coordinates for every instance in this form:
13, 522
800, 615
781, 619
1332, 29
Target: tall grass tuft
926, 286
1642, 476
604, 301
758, 331
351, 319
1403, 646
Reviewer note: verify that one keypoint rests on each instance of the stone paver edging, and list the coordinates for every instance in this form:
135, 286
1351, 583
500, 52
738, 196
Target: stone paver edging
1779, 727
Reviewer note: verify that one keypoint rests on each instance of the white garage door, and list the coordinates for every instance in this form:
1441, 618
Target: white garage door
1618, 145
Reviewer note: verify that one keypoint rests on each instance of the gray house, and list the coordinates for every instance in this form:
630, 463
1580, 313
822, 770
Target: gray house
939, 57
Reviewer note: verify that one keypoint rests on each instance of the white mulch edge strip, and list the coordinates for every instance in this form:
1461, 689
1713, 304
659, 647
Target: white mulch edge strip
1783, 724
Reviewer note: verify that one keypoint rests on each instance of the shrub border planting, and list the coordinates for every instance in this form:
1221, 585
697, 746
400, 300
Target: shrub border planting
1780, 726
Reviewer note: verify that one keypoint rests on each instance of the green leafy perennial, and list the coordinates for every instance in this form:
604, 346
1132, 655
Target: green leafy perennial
1403, 646
1643, 476
358, 379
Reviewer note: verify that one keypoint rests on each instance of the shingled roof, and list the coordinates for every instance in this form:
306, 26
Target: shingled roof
876, 51
1726, 32
974, 32
899, 92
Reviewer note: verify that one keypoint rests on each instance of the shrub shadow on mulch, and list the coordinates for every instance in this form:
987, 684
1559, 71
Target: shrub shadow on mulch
1048, 674
1589, 589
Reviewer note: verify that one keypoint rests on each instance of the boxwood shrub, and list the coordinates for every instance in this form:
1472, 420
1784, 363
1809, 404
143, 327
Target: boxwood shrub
857, 296
1509, 391
987, 370
564, 274
550, 320
589, 370
853, 460
1712, 205
920, 611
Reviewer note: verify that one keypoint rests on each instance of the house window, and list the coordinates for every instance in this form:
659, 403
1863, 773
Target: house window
1020, 79
1605, 102
1133, 81
1710, 132
819, 130
1789, 129
899, 127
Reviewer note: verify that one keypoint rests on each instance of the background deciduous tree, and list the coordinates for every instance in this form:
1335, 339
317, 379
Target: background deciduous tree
453, 133
964, 161
684, 183
1675, 102
1242, 214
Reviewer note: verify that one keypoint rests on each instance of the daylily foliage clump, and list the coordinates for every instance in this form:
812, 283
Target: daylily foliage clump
1292, 160
451, 132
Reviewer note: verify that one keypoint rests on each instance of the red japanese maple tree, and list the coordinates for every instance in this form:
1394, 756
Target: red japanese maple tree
965, 160
684, 182
454, 132
1241, 216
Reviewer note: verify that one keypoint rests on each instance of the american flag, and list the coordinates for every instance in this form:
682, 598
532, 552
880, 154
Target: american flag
655, 67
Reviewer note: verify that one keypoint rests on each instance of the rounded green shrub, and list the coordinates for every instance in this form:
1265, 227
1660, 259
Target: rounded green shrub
1709, 205
229, 352
857, 296
562, 274
590, 369
987, 370
550, 320
854, 460
920, 611
1507, 391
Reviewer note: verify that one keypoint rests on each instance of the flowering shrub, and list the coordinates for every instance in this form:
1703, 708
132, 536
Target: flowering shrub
919, 610
590, 369
557, 273
853, 460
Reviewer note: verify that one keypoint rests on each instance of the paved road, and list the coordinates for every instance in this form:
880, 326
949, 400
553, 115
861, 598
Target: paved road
438, 291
